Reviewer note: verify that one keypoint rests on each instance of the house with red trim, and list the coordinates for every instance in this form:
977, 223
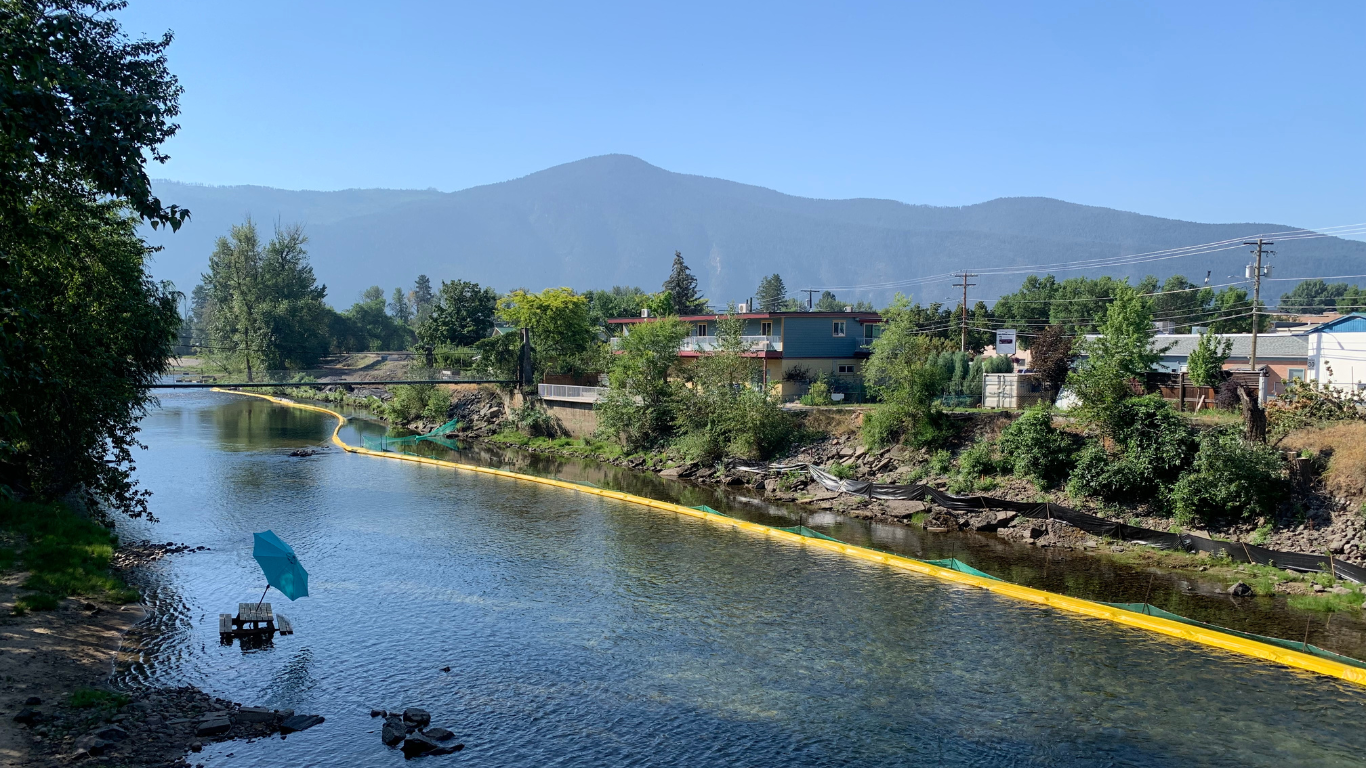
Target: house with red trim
795, 346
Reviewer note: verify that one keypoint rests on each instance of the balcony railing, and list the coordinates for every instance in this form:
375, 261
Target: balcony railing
709, 344
570, 392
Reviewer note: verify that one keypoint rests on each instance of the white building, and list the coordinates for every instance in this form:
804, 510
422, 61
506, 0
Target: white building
1337, 352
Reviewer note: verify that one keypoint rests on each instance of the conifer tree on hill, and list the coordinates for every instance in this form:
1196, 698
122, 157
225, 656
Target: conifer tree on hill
682, 288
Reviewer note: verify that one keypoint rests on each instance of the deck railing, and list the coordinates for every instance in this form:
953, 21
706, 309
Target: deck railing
570, 392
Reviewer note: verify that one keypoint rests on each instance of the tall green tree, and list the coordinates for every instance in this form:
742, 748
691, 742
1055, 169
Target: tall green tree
400, 307
376, 328
268, 308
620, 301
903, 371
83, 329
639, 407
1312, 297
459, 316
1123, 352
682, 288
562, 332
771, 295
422, 299
1205, 364
1352, 300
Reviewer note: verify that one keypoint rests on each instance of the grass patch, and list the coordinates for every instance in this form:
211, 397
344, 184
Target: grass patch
66, 554
91, 698
1327, 602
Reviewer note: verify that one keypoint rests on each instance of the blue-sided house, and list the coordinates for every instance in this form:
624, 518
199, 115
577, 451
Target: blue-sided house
795, 346
1337, 352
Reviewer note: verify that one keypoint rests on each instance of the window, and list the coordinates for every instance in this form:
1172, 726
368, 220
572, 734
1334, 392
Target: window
1296, 374
765, 329
701, 329
871, 331
844, 368
838, 328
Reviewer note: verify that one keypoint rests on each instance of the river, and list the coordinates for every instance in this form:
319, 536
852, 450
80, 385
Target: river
585, 631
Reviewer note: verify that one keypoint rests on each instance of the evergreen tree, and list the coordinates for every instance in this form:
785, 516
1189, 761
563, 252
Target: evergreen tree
828, 302
422, 299
399, 307
682, 288
772, 294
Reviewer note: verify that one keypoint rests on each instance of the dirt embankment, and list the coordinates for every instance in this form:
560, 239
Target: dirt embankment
56, 706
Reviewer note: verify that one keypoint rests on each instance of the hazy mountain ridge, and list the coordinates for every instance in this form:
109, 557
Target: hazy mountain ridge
616, 219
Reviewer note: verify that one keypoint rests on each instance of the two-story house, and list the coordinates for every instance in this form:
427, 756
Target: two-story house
795, 346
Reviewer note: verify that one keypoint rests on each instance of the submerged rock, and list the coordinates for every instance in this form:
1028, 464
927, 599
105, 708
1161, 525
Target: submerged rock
418, 717
439, 733
301, 723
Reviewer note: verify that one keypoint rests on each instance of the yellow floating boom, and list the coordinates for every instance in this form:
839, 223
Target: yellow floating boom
1157, 624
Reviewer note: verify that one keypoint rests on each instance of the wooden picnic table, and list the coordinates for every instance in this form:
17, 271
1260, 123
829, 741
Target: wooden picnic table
253, 620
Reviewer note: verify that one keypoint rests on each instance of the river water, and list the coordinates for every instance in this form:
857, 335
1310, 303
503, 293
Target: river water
584, 631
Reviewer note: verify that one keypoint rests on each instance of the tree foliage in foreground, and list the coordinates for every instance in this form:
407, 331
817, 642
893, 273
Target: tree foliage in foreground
83, 329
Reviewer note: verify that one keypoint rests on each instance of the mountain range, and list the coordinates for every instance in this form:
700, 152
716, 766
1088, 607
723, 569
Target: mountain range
617, 220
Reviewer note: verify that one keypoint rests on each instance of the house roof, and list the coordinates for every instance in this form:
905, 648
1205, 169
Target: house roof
1269, 345
858, 317
1353, 323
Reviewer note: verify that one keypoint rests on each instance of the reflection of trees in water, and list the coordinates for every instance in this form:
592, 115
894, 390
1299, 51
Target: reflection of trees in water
250, 424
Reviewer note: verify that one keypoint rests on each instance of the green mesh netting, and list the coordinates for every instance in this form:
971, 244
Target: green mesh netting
802, 530
705, 508
1312, 650
958, 565
438, 436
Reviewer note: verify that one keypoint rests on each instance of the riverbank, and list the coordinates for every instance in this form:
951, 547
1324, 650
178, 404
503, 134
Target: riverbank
59, 651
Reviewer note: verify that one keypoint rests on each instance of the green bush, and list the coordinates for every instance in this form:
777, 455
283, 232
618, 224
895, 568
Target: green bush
413, 401
842, 471
1153, 446
941, 463
979, 460
1231, 480
818, 394
1032, 447
883, 425
534, 420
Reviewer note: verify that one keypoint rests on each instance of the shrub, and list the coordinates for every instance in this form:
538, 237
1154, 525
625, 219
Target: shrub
885, 424
978, 460
842, 471
818, 394
534, 420
65, 554
941, 463
1032, 447
1154, 445
1231, 480
90, 698
417, 401
1226, 398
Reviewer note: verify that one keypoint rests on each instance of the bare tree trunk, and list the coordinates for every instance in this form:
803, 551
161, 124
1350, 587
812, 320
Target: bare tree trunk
1254, 417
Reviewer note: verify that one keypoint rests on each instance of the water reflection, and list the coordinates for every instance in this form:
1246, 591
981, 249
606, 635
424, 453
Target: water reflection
582, 631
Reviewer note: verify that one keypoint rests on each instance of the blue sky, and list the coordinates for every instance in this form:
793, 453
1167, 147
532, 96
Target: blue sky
1206, 111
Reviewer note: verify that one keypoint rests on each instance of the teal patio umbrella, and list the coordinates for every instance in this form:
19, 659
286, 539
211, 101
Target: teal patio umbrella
280, 565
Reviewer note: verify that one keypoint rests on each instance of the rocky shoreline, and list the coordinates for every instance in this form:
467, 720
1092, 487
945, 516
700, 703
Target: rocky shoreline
56, 705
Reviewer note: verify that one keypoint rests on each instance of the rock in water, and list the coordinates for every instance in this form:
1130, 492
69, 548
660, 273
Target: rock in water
418, 744
301, 723
254, 715
378, 713
447, 750
418, 717
1240, 590
394, 731
439, 733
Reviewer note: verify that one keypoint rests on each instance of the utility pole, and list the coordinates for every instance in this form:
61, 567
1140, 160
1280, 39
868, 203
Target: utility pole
965, 285
1257, 274
809, 292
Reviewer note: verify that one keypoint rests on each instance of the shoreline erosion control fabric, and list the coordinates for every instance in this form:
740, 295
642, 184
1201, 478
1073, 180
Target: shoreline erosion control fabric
1097, 526
1212, 638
